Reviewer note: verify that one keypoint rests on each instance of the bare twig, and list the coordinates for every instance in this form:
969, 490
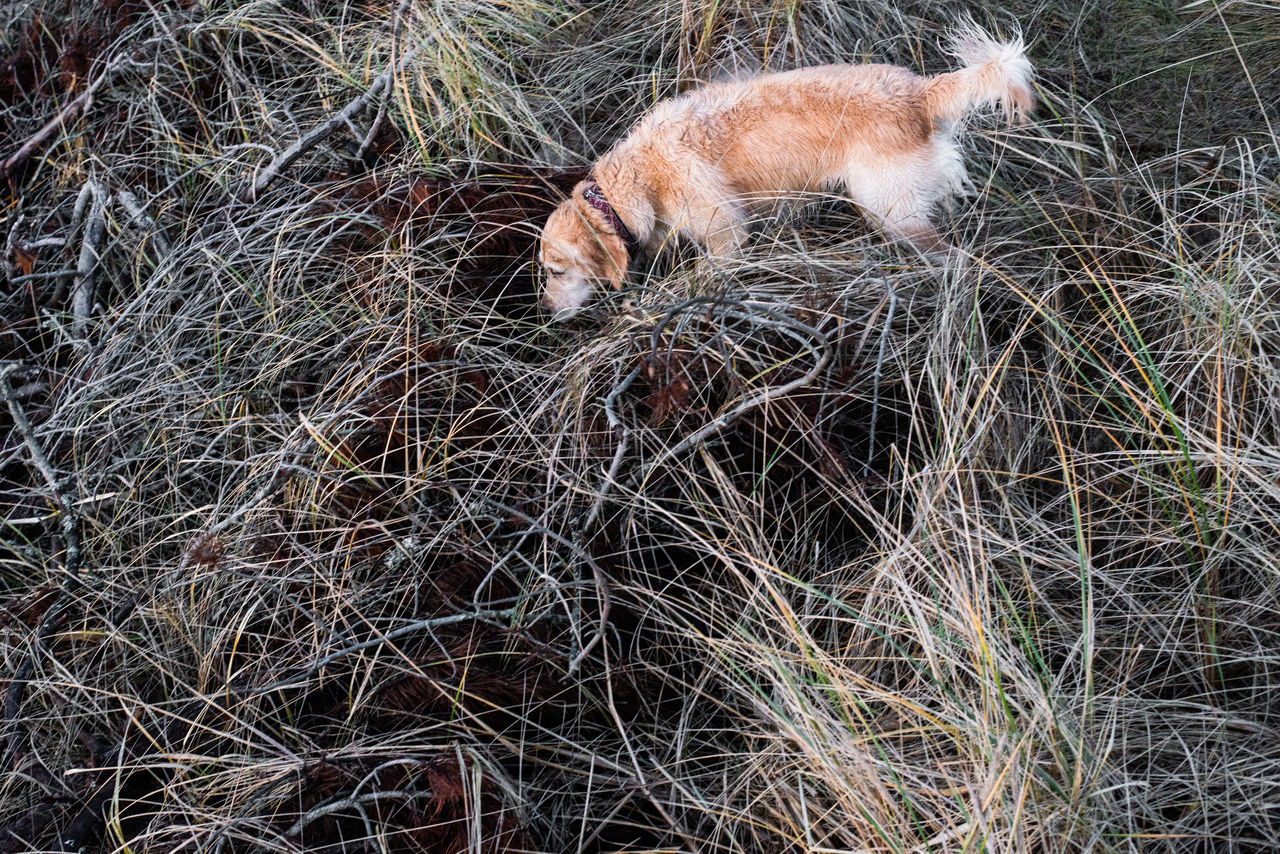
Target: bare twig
763, 397
139, 218
623, 436
602, 495
601, 583
70, 563
374, 127
22, 392
892, 296
398, 20
68, 113
11, 244
42, 277
357, 800
69, 529
388, 637
82, 290
287, 157
45, 241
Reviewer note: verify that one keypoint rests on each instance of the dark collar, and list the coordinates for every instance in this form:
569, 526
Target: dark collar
595, 197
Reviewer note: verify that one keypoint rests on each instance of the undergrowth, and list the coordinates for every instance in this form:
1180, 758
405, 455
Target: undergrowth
319, 536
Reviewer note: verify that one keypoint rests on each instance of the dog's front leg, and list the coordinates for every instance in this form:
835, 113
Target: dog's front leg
720, 228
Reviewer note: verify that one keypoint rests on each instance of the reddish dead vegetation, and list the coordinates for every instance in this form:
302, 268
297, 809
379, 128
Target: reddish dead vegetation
465, 675
497, 217
29, 609
431, 805
684, 383
415, 806
56, 50
130, 774
476, 673
426, 407
674, 381
206, 550
795, 451
462, 678
456, 681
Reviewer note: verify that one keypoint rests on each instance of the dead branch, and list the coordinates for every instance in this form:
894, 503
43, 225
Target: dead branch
623, 437
601, 582
373, 131
602, 495
68, 113
70, 530
70, 564
42, 277
385, 638
95, 226
31, 389
892, 296
356, 800
11, 246
287, 157
398, 20
139, 219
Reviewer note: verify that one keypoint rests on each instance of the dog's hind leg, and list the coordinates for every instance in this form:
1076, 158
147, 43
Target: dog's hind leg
920, 233
898, 197
901, 221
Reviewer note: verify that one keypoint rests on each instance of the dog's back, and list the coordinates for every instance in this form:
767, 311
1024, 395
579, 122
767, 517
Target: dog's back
798, 131
794, 131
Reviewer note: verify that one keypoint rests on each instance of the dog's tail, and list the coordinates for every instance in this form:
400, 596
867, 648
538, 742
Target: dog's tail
993, 71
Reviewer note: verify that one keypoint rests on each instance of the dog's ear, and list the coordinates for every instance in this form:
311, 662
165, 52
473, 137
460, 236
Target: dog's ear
617, 256
609, 249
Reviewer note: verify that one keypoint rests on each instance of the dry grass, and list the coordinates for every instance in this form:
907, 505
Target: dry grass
320, 538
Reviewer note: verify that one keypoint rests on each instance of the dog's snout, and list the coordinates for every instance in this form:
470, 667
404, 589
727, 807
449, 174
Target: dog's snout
551, 303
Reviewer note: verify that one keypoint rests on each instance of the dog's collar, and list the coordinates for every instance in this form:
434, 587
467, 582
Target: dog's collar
595, 197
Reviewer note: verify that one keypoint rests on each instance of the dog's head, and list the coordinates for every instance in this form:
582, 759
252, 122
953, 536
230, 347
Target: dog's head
579, 249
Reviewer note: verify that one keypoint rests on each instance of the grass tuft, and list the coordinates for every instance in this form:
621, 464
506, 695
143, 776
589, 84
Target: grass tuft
318, 536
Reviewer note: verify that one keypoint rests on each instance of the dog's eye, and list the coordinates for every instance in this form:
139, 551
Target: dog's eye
552, 271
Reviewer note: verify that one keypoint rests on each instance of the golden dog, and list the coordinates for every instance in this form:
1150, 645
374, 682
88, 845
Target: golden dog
699, 165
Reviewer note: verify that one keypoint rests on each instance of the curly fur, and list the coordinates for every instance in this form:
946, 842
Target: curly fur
698, 166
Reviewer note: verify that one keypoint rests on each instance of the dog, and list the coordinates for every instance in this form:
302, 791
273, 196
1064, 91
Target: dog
698, 166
